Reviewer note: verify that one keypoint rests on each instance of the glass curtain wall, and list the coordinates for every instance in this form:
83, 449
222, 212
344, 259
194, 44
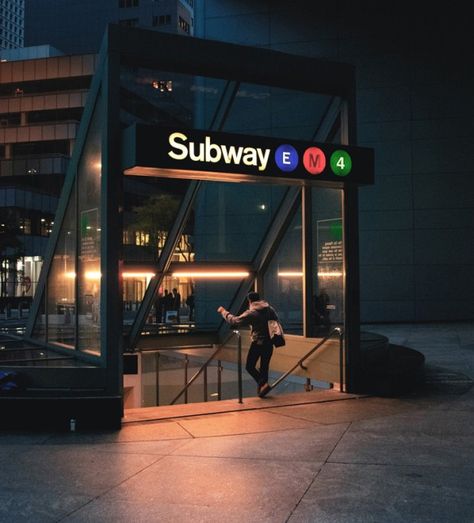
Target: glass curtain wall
328, 257
71, 314
229, 221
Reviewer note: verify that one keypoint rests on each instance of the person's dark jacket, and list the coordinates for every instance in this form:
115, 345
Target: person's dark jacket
257, 316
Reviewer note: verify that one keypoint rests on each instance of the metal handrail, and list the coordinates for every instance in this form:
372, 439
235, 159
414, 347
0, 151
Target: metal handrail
337, 331
211, 358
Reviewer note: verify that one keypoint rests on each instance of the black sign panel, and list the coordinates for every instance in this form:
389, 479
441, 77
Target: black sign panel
259, 158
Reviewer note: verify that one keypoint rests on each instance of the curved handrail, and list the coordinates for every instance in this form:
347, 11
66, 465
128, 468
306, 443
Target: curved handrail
337, 331
208, 361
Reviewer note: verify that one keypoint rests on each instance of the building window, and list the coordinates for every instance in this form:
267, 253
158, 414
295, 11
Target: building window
129, 22
142, 238
46, 226
184, 25
25, 226
161, 20
128, 3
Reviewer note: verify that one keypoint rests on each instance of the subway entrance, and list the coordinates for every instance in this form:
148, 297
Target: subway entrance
266, 225
212, 177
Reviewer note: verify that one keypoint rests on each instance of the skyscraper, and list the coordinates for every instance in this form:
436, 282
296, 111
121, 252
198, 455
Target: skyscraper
83, 22
12, 18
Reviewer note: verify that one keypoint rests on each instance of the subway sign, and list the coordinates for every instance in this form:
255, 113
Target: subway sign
189, 153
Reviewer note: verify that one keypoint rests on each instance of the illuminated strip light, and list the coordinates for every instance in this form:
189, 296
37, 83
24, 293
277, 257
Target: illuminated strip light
213, 274
330, 273
89, 275
93, 275
147, 275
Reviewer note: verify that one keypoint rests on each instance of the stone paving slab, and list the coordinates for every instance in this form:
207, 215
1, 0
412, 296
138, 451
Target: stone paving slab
241, 486
347, 493
311, 444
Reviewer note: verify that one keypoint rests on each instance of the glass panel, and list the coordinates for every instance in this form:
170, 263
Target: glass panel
39, 330
89, 228
328, 281
195, 302
272, 111
169, 99
61, 295
181, 100
283, 280
150, 209
231, 220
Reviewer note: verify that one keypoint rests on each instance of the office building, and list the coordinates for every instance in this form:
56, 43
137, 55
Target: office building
41, 104
43, 91
83, 22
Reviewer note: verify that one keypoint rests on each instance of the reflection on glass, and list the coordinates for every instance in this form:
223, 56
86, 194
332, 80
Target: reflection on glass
231, 220
273, 111
61, 296
328, 279
89, 230
283, 280
191, 101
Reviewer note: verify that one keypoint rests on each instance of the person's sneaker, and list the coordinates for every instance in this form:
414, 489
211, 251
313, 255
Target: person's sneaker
264, 390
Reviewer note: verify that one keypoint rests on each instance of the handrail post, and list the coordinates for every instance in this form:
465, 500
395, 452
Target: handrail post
157, 377
186, 362
239, 364
198, 373
219, 380
341, 362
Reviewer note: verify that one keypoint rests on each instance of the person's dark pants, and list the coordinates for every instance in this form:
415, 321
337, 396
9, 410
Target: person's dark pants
264, 353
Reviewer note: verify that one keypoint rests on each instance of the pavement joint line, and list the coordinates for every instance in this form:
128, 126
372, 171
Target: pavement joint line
176, 417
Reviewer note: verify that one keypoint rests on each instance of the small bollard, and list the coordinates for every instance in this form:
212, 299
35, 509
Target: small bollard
72, 425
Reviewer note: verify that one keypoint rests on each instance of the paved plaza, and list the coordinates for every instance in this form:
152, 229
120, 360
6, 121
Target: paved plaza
319, 456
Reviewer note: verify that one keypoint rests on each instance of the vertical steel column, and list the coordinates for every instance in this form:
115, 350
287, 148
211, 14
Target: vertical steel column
307, 252
351, 261
111, 201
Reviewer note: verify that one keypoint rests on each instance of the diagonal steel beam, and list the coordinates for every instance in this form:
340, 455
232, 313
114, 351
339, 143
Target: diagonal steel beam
164, 262
267, 248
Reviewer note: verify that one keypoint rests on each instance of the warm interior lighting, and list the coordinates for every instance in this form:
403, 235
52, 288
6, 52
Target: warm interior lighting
211, 274
93, 275
290, 274
330, 274
147, 275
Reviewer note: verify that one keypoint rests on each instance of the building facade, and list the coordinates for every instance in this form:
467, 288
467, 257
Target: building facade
41, 104
414, 77
83, 22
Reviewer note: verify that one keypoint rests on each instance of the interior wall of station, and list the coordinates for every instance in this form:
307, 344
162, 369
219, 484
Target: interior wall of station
415, 108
